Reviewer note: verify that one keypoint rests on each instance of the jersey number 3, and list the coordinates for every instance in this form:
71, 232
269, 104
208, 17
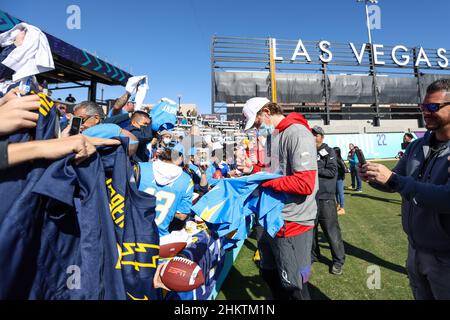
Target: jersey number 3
164, 202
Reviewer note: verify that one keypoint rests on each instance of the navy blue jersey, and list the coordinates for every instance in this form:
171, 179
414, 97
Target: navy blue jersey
20, 211
133, 213
13, 180
144, 134
98, 226
76, 246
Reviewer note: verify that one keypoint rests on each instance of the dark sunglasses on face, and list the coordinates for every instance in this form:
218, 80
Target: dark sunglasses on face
83, 120
433, 107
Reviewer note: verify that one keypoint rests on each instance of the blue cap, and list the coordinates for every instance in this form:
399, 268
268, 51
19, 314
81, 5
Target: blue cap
224, 168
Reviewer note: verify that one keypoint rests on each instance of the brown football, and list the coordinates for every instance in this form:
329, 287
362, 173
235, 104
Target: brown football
181, 274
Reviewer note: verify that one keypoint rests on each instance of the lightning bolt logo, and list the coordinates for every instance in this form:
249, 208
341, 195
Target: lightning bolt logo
132, 249
139, 299
207, 212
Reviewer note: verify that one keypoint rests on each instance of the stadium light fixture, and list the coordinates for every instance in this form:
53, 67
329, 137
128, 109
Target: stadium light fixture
179, 101
376, 119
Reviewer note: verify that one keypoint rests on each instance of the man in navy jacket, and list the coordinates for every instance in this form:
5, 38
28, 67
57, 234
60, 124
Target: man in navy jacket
422, 179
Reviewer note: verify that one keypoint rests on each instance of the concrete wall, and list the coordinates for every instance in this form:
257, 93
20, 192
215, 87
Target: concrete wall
363, 126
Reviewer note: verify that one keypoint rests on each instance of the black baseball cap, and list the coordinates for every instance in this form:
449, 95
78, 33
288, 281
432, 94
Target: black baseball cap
318, 130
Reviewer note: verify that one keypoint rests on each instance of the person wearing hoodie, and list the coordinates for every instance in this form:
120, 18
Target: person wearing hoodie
286, 258
172, 187
326, 204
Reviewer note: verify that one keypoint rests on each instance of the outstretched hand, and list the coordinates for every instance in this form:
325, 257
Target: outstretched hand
157, 282
82, 146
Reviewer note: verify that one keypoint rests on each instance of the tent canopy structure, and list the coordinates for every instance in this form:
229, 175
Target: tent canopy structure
73, 65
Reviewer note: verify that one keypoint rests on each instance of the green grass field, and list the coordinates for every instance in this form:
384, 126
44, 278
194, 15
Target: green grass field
372, 234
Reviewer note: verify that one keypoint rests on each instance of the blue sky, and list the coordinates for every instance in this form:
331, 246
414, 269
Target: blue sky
170, 40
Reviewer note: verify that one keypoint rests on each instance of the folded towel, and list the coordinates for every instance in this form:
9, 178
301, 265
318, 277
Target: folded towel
139, 90
32, 57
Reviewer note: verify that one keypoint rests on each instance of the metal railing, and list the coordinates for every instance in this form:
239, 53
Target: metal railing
234, 54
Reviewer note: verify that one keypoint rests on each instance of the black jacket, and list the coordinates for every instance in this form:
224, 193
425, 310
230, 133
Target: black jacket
144, 136
327, 168
342, 169
5, 72
425, 190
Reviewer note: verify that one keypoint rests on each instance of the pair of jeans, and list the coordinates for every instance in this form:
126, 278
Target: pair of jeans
328, 220
356, 180
340, 192
429, 274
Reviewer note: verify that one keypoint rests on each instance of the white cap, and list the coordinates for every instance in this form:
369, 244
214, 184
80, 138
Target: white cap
251, 108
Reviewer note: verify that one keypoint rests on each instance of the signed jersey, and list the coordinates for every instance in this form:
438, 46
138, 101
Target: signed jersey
97, 236
20, 211
170, 199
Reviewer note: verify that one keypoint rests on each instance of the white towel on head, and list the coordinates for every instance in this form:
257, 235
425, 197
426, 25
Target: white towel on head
138, 91
32, 57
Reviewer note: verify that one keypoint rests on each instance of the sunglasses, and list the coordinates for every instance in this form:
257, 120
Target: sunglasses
433, 107
83, 120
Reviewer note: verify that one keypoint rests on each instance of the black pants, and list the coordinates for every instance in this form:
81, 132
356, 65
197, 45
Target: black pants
429, 274
285, 264
356, 180
328, 220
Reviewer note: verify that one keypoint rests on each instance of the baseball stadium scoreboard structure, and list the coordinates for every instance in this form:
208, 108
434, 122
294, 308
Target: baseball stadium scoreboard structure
323, 79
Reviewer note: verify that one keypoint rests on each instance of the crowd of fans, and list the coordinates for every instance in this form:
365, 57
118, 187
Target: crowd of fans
182, 164
203, 158
200, 152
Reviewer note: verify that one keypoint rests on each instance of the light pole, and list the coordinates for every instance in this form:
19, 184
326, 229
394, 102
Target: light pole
366, 3
234, 111
376, 120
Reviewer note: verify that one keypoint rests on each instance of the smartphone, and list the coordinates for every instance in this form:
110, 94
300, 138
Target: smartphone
203, 156
360, 155
75, 126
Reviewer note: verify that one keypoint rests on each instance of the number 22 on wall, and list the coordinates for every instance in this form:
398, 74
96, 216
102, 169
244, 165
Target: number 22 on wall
381, 139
